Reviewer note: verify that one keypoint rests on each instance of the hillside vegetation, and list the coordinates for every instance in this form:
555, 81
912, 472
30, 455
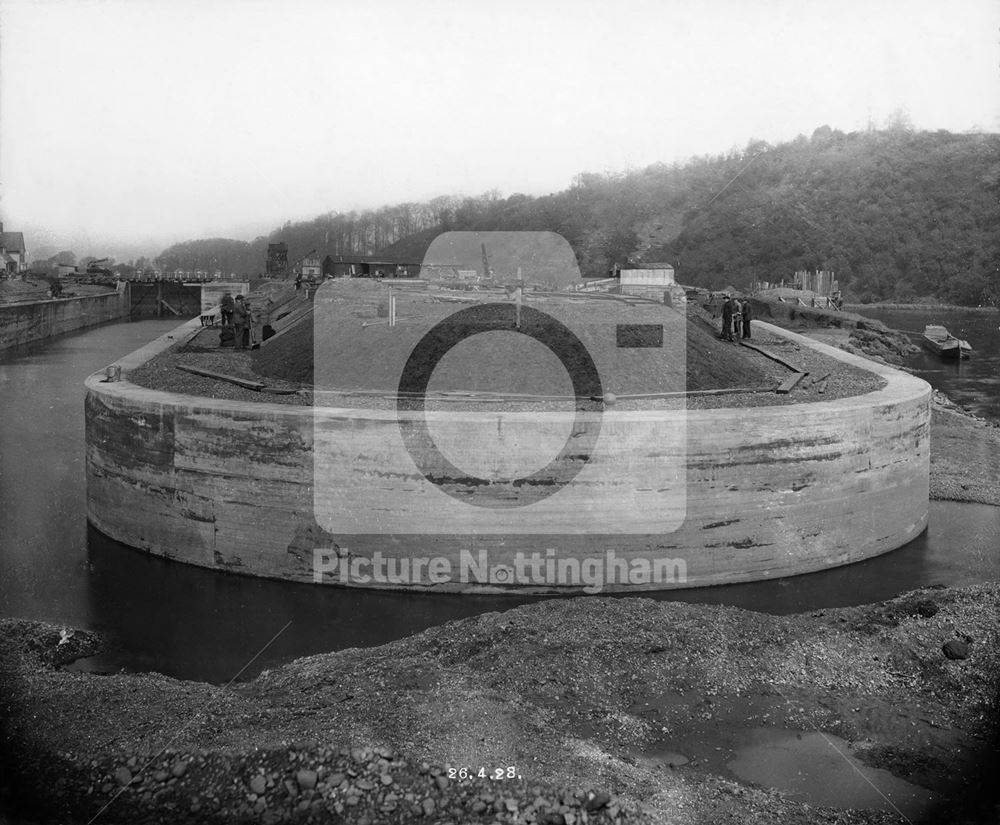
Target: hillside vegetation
899, 215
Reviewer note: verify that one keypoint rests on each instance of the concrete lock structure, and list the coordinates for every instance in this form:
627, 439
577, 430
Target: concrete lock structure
31, 321
767, 491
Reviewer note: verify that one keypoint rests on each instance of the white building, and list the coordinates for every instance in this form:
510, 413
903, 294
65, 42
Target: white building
649, 280
13, 255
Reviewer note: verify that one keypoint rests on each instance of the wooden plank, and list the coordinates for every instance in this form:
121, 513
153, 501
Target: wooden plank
218, 376
285, 327
162, 301
787, 385
687, 393
772, 356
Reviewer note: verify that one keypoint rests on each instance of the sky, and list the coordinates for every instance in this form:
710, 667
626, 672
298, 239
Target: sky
132, 124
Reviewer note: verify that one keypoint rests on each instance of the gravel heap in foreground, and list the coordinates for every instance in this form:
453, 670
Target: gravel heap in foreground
576, 694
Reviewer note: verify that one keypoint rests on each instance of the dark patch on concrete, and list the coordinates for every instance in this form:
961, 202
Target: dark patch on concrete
192, 515
743, 544
715, 524
467, 481
763, 460
405, 476
790, 443
537, 482
130, 438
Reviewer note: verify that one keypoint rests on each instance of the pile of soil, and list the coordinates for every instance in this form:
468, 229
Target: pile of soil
867, 337
362, 358
580, 696
360, 351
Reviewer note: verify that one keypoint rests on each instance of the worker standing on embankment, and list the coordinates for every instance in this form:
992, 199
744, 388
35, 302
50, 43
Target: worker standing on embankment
727, 319
241, 321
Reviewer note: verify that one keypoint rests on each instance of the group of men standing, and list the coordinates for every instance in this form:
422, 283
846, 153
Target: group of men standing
736, 316
238, 315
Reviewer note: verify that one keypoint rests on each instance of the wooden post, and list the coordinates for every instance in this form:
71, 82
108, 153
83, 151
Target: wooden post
159, 298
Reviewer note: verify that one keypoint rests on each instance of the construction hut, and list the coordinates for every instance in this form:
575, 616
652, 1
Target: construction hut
650, 280
310, 267
341, 266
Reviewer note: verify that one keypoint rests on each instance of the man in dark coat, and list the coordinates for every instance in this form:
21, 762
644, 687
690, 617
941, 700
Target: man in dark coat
227, 305
241, 322
747, 316
727, 319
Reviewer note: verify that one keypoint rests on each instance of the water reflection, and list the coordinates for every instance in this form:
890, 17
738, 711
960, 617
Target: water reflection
195, 623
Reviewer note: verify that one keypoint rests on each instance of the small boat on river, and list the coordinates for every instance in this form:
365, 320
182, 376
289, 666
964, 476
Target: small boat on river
941, 342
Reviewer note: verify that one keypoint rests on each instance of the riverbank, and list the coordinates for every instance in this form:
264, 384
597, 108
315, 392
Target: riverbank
849, 331
965, 454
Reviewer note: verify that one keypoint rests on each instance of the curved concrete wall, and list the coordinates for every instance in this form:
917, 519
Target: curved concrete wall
37, 320
736, 495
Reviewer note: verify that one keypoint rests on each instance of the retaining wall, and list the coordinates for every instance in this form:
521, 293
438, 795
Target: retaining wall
29, 322
726, 495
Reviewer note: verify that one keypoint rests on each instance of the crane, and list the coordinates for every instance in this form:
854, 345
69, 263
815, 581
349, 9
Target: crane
291, 267
96, 268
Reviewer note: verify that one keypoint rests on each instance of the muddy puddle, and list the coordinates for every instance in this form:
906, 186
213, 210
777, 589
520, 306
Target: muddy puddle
786, 743
820, 769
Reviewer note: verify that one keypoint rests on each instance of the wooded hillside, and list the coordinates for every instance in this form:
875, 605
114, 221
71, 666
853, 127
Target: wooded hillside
897, 214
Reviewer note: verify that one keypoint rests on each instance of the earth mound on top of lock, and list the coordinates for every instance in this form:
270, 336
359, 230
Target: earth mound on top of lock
461, 342
348, 343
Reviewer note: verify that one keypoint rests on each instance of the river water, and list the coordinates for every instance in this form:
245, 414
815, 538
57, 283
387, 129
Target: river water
974, 383
198, 624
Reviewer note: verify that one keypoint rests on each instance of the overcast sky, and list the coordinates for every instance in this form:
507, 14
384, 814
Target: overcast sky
160, 120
